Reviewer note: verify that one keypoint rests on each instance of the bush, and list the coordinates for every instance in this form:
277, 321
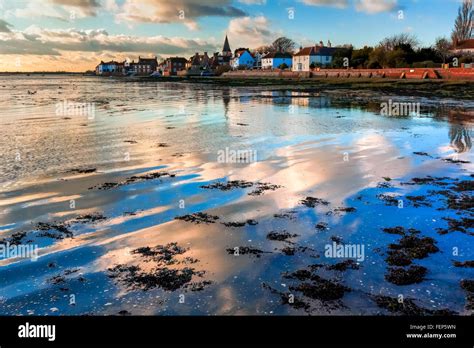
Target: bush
466, 60
283, 66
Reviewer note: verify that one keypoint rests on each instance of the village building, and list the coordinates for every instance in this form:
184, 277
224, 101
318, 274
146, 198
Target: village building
465, 47
173, 65
110, 68
226, 56
197, 64
214, 62
258, 59
313, 56
275, 60
144, 66
242, 59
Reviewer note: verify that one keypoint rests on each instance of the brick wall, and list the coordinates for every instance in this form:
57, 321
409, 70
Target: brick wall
405, 73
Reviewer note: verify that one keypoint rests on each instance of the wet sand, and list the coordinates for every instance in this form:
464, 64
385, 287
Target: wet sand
134, 213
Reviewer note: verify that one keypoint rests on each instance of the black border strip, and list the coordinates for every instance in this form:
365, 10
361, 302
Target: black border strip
172, 331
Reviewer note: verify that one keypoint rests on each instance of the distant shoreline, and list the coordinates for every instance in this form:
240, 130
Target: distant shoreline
42, 73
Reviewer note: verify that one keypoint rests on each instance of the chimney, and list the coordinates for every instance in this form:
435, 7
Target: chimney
329, 43
321, 44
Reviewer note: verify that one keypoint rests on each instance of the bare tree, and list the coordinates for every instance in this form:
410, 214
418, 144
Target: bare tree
283, 44
392, 42
264, 49
464, 23
442, 47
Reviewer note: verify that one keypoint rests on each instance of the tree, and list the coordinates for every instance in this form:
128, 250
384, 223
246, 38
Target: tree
377, 58
283, 44
394, 52
283, 66
463, 26
393, 42
426, 54
442, 47
264, 49
396, 58
340, 56
360, 58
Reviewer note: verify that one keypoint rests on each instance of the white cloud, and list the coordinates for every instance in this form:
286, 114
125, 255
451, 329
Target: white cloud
367, 6
253, 2
332, 3
37, 8
38, 41
251, 32
375, 6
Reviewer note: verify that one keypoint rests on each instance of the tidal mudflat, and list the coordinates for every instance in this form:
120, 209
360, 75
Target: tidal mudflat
192, 199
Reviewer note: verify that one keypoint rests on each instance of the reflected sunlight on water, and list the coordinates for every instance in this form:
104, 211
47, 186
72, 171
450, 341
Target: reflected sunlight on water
93, 194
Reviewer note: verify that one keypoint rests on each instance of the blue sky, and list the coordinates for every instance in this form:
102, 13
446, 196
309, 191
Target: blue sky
74, 34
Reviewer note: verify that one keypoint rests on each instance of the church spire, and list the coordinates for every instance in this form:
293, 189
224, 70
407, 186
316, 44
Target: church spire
226, 48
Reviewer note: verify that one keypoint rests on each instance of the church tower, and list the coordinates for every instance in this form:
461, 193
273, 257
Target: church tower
226, 51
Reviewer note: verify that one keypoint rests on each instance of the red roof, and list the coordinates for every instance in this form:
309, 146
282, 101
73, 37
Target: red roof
238, 53
465, 45
315, 51
307, 51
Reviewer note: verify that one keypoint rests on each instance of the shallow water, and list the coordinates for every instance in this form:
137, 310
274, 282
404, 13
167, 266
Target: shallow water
54, 166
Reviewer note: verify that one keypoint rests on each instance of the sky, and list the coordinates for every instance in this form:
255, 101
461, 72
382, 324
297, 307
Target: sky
75, 35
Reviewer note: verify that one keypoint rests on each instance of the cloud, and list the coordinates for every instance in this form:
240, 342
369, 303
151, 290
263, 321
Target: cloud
375, 6
37, 8
253, 2
63, 10
85, 7
367, 6
38, 41
332, 3
166, 11
4, 26
251, 32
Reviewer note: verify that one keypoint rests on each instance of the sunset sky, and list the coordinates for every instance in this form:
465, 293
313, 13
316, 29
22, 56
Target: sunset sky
74, 35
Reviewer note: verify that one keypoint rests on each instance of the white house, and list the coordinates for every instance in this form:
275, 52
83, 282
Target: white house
315, 55
276, 59
242, 58
258, 59
109, 68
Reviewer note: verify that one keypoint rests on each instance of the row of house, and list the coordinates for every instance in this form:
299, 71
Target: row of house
144, 66
305, 59
203, 64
